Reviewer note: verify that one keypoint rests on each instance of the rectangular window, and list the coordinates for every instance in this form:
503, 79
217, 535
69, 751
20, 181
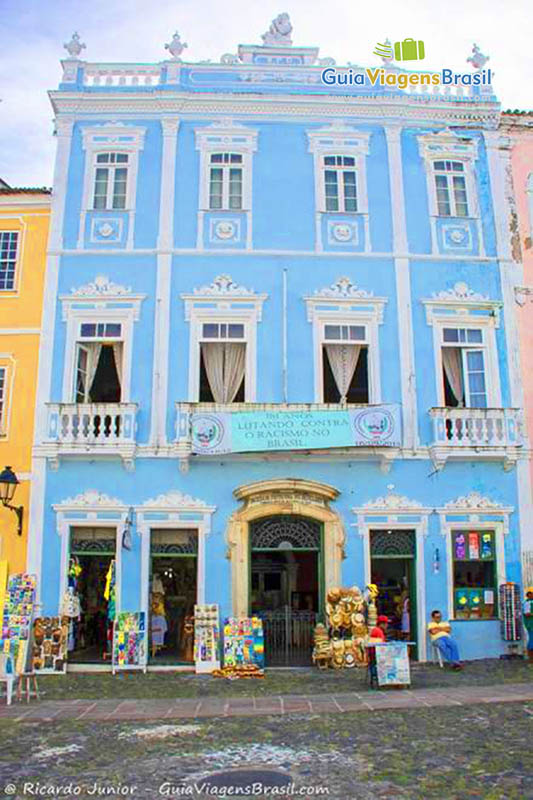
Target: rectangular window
226, 182
222, 376
3, 399
474, 574
100, 330
450, 185
110, 181
340, 183
8, 259
99, 363
463, 368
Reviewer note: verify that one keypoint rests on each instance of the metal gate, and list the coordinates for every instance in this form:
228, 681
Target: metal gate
288, 631
288, 637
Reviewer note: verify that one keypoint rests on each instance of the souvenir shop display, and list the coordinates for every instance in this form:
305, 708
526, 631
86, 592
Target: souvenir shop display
232, 673
17, 620
350, 614
510, 613
130, 645
244, 643
392, 664
206, 638
110, 596
472, 550
50, 640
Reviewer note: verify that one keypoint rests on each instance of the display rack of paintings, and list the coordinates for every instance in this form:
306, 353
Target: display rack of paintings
244, 643
392, 663
50, 644
17, 620
130, 646
206, 638
510, 612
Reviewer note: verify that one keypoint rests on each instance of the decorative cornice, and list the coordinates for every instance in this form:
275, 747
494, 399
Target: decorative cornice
343, 288
176, 501
460, 291
91, 498
446, 142
223, 285
102, 286
392, 501
339, 134
474, 501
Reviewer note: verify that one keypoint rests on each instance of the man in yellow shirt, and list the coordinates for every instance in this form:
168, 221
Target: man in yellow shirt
440, 634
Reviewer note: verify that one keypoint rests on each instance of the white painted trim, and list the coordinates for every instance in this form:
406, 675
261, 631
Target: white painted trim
158, 434
15, 199
19, 331
394, 521
9, 365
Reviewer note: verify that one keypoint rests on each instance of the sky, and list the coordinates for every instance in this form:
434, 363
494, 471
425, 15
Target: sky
33, 33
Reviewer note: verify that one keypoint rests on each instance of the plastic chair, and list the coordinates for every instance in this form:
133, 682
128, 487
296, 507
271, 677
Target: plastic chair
7, 675
437, 655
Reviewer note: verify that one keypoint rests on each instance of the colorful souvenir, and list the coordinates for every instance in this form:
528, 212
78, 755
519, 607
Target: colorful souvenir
460, 546
130, 641
473, 545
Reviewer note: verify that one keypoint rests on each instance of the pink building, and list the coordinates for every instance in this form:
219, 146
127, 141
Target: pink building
518, 126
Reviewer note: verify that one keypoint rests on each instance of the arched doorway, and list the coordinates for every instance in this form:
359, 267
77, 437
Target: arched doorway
284, 526
286, 584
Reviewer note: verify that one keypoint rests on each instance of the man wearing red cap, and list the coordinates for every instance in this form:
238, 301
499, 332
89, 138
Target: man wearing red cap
378, 632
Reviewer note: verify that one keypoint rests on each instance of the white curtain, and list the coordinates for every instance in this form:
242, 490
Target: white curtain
453, 368
95, 350
343, 360
117, 355
225, 365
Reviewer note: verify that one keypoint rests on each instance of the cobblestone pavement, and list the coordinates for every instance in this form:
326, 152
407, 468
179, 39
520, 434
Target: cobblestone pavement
438, 753
189, 708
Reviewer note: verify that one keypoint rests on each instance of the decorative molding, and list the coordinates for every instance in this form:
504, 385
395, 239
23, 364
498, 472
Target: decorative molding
223, 285
392, 501
91, 498
474, 500
343, 288
177, 501
279, 32
460, 291
447, 143
102, 286
176, 47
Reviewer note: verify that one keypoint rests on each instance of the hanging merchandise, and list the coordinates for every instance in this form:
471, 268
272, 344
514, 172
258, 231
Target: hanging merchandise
109, 591
130, 641
206, 638
510, 612
473, 546
462, 606
50, 640
350, 615
486, 546
70, 605
17, 620
475, 597
460, 546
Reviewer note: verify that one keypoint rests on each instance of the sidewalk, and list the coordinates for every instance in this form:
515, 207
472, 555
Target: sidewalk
191, 708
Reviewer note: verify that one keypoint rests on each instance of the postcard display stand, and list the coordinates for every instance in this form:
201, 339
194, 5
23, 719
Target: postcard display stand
392, 662
50, 645
17, 620
206, 638
244, 642
510, 612
130, 646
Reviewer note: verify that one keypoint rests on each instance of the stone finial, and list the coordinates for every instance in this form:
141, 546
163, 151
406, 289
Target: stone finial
176, 46
477, 59
279, 32
74, 47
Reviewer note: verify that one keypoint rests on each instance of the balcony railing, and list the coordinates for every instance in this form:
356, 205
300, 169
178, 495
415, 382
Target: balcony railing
108, 428
492, 431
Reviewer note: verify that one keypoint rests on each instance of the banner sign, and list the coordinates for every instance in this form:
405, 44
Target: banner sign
253, 431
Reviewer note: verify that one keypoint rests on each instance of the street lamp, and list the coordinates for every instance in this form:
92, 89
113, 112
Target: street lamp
8, 485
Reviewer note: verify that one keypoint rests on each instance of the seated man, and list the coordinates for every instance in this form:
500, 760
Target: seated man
440, 633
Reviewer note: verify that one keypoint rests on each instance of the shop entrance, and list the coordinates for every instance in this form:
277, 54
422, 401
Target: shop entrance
393, 570
173, 592
287, 585
91, 552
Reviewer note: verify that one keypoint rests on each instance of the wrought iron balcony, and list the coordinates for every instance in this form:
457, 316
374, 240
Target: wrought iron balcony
492, 433
92, 428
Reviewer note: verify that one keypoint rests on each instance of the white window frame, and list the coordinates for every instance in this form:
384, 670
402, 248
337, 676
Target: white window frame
225, 136
466, 347
12, 231
202, 338
370, 342
95, 303
344, 304
450, 189
340, 170
111, 168
446, 146
226, 303
226, 167
7, 366
110, 138
84, 340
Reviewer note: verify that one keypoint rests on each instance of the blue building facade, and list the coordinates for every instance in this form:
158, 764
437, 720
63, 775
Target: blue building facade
279, 345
